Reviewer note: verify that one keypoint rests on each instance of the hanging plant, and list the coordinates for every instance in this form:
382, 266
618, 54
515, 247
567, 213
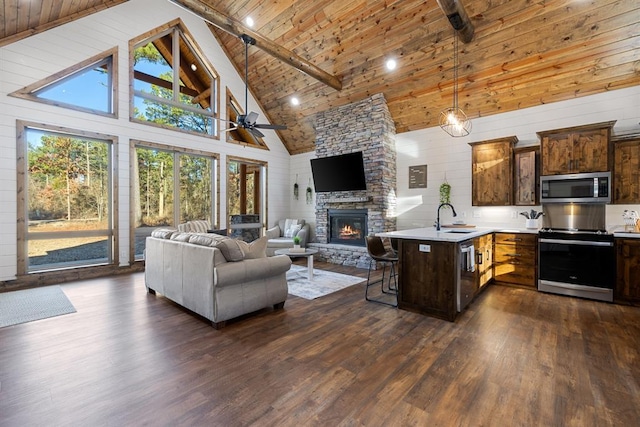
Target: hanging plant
295, 188
445, 192
309, 193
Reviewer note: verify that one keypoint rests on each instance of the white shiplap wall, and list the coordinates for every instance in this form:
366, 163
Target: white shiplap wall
452, 156
37, 57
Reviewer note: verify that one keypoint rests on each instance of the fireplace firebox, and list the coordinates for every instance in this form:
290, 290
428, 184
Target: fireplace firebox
348, 226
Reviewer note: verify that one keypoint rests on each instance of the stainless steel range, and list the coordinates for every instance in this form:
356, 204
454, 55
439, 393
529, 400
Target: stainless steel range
576, 255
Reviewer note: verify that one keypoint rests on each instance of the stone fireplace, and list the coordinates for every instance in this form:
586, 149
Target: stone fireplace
348, 226
362, 126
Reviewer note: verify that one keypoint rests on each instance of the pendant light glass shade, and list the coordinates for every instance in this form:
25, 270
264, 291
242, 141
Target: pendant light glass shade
453, 120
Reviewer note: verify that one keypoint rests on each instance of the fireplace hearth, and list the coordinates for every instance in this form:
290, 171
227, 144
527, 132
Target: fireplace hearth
348, 226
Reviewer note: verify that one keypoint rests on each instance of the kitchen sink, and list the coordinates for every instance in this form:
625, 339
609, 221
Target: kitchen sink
457, 230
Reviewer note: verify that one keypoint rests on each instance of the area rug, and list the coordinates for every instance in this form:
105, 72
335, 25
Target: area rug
323, 282
33, 304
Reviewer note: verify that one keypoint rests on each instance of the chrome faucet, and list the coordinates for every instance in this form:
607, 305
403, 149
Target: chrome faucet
438, 219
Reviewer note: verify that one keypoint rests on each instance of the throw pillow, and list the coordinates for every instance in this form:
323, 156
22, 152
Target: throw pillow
206, 239
287, 225
181, 237
162, 233
292, 231
231, 250
255, 249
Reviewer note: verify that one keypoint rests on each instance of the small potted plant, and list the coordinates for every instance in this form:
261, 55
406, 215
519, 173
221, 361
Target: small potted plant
296, 246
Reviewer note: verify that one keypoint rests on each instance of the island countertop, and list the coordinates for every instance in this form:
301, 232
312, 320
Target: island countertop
453, 235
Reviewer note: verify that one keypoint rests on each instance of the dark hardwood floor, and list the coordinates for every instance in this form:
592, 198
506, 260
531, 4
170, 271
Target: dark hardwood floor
515, 358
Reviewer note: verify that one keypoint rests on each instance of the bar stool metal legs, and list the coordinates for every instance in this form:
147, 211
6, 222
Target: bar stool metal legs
388, 285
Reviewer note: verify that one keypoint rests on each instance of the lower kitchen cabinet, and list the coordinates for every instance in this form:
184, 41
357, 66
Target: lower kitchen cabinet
628, 270
514, 258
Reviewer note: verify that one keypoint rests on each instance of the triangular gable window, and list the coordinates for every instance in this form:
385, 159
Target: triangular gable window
89, 86
240, 135
173, 85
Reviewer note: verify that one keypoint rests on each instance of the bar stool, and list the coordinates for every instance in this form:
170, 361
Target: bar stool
378, 253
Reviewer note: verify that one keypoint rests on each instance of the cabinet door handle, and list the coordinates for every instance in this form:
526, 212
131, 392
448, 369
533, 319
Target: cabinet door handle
516, 239
479, 260
514, 255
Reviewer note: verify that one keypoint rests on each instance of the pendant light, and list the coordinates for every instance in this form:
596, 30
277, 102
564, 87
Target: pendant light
453, 120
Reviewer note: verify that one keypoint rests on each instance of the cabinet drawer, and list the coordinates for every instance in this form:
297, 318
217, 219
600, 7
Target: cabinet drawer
516, 239
519, 254
520, 274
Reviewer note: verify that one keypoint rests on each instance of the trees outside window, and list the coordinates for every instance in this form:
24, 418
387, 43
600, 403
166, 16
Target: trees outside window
164, 175
68, 202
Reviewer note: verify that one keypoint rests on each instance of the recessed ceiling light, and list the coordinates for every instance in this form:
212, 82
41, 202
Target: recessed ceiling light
295, 101
249, 21
194, 67
391, 64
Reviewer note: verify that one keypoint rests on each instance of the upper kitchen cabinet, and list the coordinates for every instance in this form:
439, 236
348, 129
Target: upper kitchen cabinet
526, 177
576, 149
492, 172
626, 169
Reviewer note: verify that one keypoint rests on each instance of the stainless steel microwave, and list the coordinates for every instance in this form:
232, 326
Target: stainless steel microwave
592, 187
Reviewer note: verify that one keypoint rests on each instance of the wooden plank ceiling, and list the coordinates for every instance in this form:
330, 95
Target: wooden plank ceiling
524, 53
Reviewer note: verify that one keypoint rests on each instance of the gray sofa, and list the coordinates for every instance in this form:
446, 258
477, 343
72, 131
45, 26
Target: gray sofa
278, 238
215, 276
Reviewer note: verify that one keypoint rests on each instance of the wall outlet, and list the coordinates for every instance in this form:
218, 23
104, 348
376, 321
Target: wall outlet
476, 214
463, 214
514, 214
424, 248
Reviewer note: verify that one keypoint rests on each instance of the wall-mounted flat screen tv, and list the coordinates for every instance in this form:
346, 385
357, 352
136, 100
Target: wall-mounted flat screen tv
339, 173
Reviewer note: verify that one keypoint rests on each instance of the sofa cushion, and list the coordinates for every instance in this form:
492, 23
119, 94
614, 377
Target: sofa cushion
206, 239
181, 237
231, 250
162, 233
255, 249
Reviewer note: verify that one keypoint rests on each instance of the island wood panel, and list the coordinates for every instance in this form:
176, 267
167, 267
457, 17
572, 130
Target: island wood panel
626, 171
427, 280
628, 270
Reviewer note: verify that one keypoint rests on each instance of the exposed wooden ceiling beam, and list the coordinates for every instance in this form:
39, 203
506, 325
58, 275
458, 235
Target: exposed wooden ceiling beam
236, 28
455, 13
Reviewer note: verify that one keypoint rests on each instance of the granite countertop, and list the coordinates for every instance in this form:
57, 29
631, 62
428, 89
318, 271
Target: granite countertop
450, 234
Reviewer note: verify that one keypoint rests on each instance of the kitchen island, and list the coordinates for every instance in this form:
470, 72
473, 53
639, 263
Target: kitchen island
437, 274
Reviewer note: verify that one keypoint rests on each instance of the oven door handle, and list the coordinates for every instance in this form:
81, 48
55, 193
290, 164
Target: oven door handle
576, 242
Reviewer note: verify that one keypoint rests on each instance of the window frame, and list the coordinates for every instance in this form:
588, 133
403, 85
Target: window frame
176, 27
111, 55
176, 152
23, 267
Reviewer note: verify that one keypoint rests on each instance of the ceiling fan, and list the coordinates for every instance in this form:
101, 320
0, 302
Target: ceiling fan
248, 121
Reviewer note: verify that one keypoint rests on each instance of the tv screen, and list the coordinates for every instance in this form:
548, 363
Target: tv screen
339, 173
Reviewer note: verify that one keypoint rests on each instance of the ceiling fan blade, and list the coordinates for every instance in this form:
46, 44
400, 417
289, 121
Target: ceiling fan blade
255, 132
268, 126
251, 118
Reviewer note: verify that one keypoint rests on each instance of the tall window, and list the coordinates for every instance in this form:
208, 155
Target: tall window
163, 176
246, 197
67, 202
172, 85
